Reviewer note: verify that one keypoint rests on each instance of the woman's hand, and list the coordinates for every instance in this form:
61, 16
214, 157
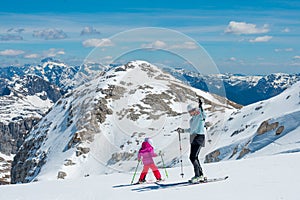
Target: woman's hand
180, 130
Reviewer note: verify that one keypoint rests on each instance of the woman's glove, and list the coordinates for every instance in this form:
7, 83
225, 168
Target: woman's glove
180, 130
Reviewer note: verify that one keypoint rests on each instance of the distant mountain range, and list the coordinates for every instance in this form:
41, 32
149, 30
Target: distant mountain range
26, 95
241, 89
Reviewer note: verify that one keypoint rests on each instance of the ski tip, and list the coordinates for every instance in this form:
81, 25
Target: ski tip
226, 177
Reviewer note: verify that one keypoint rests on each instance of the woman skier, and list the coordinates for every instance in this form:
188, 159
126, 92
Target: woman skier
197, 138
146, 153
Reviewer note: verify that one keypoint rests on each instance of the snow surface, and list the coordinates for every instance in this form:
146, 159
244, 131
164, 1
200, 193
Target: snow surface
23, 106
272, 177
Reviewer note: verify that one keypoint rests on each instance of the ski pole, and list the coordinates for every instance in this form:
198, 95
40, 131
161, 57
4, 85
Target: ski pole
180, 148
135, 171
164, 166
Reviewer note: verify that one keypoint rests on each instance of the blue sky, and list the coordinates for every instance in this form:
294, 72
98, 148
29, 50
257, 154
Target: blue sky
256, 37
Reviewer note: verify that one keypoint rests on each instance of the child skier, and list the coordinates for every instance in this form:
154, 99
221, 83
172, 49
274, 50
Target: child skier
146, 153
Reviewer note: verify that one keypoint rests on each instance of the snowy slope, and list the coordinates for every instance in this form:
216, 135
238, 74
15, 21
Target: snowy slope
28, 98
264, 128
25, 101
98, 127
255, 178
55, 72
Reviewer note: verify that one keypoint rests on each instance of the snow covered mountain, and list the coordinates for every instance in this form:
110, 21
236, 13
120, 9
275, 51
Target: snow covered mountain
265, 128
51, 70
26, 94
241, 89
98, 127
24, 101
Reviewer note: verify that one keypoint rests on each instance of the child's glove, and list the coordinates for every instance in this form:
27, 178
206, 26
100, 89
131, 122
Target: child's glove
161, 153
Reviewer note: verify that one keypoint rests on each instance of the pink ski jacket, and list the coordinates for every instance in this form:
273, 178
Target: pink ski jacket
146, 153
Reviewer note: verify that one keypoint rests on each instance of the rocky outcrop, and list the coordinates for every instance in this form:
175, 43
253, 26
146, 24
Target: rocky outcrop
243, 152
213, 157
61, 175
279, 130
31, 85
266, 127
28, 161
120, 156
5, 166
12, 135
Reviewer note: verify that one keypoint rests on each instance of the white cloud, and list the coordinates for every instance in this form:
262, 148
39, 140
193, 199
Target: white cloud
105, 42
50, 34
16, 30
11, 52
232, 59
88, 30
287, 50
10, 37
296, 57
108, 57
53, 52
295, 64
156, 45
245, 28
260, 58
60, 52
34, 55
185, 45
265, 38
286, 30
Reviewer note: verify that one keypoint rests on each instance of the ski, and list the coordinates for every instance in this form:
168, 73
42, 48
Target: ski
187, 183
137, 183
